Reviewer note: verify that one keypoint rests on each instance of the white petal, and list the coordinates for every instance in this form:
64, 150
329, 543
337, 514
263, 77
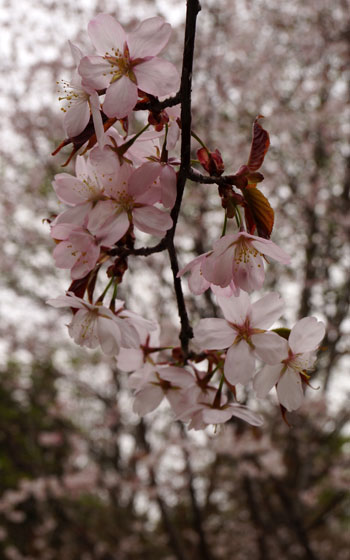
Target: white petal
219, 269
270, 249
147, 399
106, 33
121, 98
266, 311
235, 309
266, 379
270, 347
157, 76
149, 37
306, 335
152, 220
247, 415
109, 336
214, 334
239, 363
290, 390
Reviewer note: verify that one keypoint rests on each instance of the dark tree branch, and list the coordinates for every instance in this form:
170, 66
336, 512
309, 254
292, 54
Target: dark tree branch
193, 7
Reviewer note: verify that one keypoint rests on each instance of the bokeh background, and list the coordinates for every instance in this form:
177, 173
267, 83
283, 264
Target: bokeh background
81, 476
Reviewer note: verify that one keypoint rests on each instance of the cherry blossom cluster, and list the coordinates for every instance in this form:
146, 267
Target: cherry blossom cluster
129, 182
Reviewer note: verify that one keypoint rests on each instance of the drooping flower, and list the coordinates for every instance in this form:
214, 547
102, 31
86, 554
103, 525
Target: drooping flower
239, 258
198, 284
244, 333
95, 324
128, 62
298, 357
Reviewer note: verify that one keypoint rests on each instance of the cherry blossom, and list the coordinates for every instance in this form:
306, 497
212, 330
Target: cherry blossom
79, 102
198, 284
130, 200
239, 257
298, 357
77, 249
243, 332
166, 175
86, 188
128, 62
95, 324
154, 382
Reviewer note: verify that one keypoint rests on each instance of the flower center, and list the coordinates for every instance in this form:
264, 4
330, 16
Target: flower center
297, 362
121, 64
124, 201
244, 252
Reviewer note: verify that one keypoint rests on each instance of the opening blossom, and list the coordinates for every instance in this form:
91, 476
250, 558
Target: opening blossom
244, 333
127, 62
298, 357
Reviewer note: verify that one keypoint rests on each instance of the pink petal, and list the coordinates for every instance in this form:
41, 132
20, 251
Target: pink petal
75, 216
121, 98
97, 119
218, 270
70, 190
192, 264
239, 363
83, 329
113, 230
270, 347
85, 263
143, 178
266, 311
76, 53
66, 301
266, 379
214, 334
147, 399
129, 360
216, 415
306, 335
290, 390
177, 376
149, 37
95, 72
270, 249
224, 243
104, 211
76, 118
248, 270
106, 34
64, 255
247, 415
152, 220
235, 309
157, 76
196, 282
168, 183
109, 336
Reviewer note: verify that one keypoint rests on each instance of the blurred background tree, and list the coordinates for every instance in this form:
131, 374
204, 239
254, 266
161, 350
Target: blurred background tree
81, 477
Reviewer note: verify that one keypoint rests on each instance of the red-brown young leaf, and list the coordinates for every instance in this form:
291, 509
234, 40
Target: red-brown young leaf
259, 210
259, 147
